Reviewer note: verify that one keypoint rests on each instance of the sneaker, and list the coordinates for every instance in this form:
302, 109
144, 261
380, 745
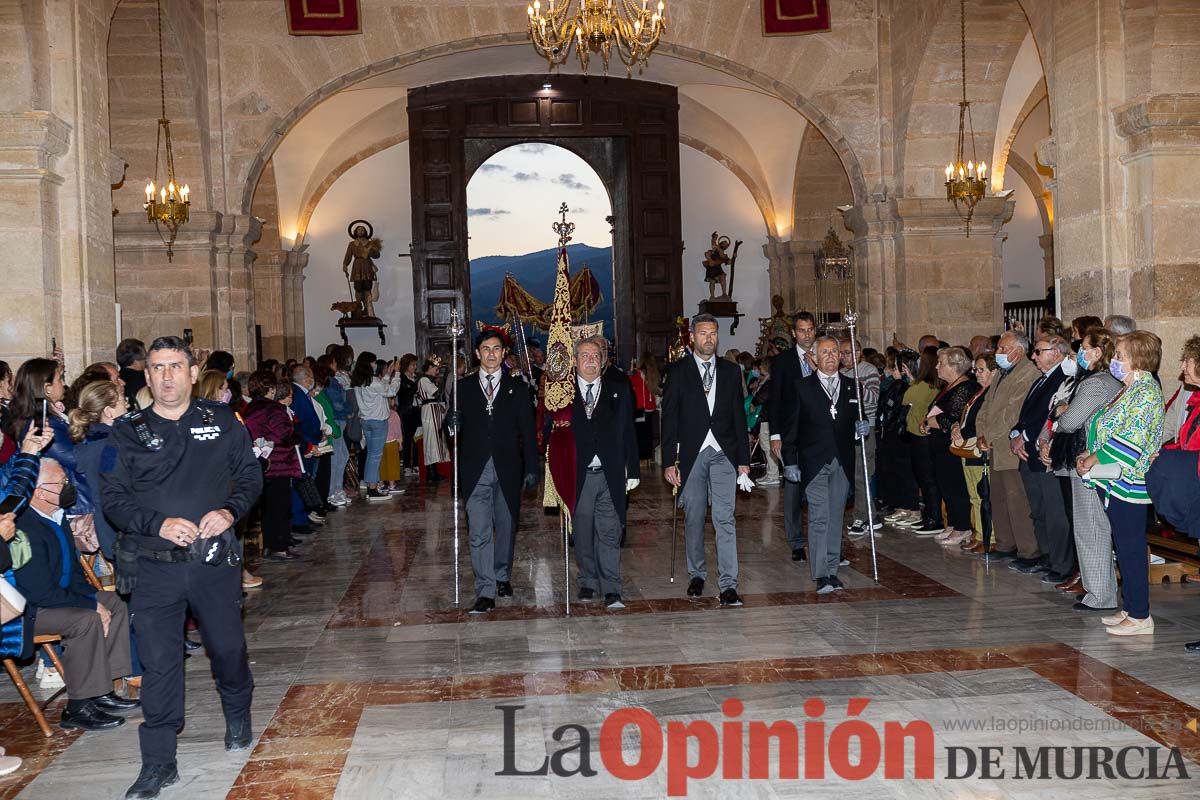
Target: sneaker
1132, 627
1115, 619
928, 529
613, 602
315, 518
944, 535
729, 598
339, 499
374, 495
824, 586
957, 538
396, 489
911, 519
250, 581
48, 677
845, 562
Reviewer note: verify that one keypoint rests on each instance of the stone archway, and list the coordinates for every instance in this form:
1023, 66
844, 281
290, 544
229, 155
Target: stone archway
628, 131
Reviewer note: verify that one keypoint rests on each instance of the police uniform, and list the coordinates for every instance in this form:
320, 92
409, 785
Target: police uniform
159, 468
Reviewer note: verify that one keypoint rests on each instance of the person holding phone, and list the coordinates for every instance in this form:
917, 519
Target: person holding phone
371, 393
38, 405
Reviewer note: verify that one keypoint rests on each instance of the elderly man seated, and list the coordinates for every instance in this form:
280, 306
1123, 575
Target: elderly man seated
94, 625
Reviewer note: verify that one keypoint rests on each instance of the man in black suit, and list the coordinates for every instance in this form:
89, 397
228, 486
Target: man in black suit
790, 366
94, 625
1046, 503
606, 467
818, 455
703, 416
497, 457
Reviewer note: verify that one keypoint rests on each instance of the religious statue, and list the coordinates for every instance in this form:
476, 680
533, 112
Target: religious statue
716, 258
775, 331
359, 267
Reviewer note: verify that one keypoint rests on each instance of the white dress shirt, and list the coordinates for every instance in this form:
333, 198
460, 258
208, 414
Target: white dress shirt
710, 440
583, 393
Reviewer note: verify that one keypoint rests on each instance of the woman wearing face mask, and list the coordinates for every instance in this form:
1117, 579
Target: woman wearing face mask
1093, 389
974, 468
39, 393
1123, 437
99, 405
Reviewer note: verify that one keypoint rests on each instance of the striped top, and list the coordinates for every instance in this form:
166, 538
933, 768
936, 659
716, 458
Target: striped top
1128, 431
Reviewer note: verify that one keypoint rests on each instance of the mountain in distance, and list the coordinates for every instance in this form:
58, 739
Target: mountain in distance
535, 272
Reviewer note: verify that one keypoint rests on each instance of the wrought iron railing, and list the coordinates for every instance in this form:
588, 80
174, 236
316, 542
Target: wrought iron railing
1026, 312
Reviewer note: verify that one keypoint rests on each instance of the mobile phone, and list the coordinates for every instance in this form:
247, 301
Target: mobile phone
45, 414
12, 504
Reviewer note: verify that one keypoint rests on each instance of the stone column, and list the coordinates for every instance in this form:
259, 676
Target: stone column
1161, 156
947, 283
268, 303
293, 306
875, 225
790, 267
206, 286
30, 143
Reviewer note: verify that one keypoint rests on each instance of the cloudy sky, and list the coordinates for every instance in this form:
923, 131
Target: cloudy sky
514, 198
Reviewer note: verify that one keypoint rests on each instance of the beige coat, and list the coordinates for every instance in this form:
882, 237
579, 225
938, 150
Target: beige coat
1001, 409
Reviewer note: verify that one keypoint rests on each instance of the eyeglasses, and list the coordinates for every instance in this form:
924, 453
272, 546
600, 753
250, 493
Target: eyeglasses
1044, 350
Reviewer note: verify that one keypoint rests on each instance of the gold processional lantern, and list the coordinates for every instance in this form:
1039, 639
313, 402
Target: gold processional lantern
834, 270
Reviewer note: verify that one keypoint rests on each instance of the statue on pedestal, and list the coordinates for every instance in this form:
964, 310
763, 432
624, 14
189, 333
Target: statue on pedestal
359, 267
716, 258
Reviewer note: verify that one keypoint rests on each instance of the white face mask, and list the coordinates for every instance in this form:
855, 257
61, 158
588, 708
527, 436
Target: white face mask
1069, 367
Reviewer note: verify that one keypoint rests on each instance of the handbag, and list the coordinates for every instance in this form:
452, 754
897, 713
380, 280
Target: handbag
968, 449
306, 488
352, 430
12, 602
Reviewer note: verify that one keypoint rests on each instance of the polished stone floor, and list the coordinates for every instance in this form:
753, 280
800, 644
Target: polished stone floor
372, 683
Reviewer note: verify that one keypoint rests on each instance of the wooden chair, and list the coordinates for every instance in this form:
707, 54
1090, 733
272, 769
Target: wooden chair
36, 708
88, 563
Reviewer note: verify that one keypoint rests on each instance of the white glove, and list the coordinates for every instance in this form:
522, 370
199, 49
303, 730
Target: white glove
744, 483
631, 484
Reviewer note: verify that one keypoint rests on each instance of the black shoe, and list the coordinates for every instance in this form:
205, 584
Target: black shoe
89, 718
929, 526
798, 554
586, 594
696, 587
483, 605
730, 598
189, 644
1025, 566
237, 734
613, 602
1050, 576
1084, 608
151, 780
1004, 554
836, 583
114, 702
824, 586
1192, 647
1044, 567
503, 589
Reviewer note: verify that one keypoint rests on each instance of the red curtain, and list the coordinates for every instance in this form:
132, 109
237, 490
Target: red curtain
790, 17
323, 17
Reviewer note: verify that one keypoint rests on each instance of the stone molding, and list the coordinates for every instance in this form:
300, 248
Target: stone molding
29, 143
936, 216
1163, 123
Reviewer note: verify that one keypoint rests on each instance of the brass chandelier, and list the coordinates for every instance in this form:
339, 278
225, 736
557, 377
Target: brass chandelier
631, 27
166, 205
966, 182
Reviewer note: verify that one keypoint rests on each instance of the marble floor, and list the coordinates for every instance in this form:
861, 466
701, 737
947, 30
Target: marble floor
371, 682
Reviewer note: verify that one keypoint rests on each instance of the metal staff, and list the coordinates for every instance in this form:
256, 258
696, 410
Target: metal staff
456, 330
851, 321
675, 513
562, 524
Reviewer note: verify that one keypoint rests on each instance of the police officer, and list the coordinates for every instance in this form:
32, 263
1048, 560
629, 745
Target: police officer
178, 477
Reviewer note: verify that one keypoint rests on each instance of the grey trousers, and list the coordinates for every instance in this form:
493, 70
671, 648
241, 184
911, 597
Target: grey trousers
860, 480
793, 515
91, 659
1094, 546
491, 533
1049, 514
713, 478
826, 493
597, 531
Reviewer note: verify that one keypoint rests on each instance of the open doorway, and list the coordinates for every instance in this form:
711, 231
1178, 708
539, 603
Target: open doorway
513, 198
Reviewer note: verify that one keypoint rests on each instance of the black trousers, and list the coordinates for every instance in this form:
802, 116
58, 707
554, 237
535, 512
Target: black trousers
324, 474
410, 421
894, 474
158, 607
276, 513
1049, 513
952, 483
923, 471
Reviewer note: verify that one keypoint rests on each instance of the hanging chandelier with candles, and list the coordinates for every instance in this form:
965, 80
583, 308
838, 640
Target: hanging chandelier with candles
965, 182
167, 205
630, 27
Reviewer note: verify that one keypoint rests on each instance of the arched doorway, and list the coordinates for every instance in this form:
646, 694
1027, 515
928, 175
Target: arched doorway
628, 131
513, 199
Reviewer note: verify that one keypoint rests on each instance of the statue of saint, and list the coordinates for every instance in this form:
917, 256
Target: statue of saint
359, 267
716, 258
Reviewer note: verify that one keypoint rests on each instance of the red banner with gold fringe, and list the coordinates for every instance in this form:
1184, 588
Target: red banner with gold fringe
323, 17
791, 17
